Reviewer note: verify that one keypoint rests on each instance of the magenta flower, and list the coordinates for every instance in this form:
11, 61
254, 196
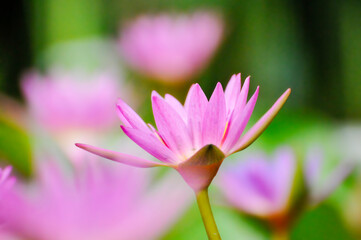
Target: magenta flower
71, 106
261, 187
171, 48
271, 190
102, 202
6, 180
62, 101
6, 183
194, 138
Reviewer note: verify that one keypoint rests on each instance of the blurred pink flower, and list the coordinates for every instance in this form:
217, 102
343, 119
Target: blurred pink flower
261, 187
71, 106
194, 138
270, 190
171, 48
6, 180
6, 183
102, 202
61, 101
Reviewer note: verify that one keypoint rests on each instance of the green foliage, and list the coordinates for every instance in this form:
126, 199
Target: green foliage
323, 223
15, 147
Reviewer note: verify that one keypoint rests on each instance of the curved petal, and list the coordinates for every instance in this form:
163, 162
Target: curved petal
171, 127
120, 157
262, 123
333, 181
196, 104
214, 120
243, 95
5, 173
284, 167
241, 101
150, 143
232, 92
237, 125
176, 106
131, 117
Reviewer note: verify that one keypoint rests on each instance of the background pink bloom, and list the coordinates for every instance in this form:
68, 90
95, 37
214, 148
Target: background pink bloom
6, 180
6, 183
267, 189
260, 187
62, 101
70, 107
171, 47
102, 202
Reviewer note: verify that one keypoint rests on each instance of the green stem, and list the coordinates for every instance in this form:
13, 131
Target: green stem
280, 234
207, 215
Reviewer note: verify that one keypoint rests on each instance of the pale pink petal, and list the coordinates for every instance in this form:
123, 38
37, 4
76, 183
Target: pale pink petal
241, 101
232, 92
131, 117
171, 127
249, 186
150, 143
176, 106
333, 181
196, 104
284, 170
122, 118
214, 121
238, 124
262, 124
5, 173
120, 157
243, 95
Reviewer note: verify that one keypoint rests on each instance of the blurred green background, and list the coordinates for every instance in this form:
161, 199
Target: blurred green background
312, 46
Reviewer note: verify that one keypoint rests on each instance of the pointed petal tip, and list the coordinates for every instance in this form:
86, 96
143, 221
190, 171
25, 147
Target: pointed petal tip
79, 145
263, 122
120, 157
246, 81
288, 91
155, 94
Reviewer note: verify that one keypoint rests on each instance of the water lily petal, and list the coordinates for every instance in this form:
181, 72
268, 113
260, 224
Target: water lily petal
120, 157
150, 143
237, 125
196, 104
243, 95
232, 92
262, 123
214, 120
171, 127
176, 106
133, 119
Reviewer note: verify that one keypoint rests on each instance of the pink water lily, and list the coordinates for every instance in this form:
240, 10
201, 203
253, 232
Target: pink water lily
71, 105
171, 48
193, 138
62, 101
260, 187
